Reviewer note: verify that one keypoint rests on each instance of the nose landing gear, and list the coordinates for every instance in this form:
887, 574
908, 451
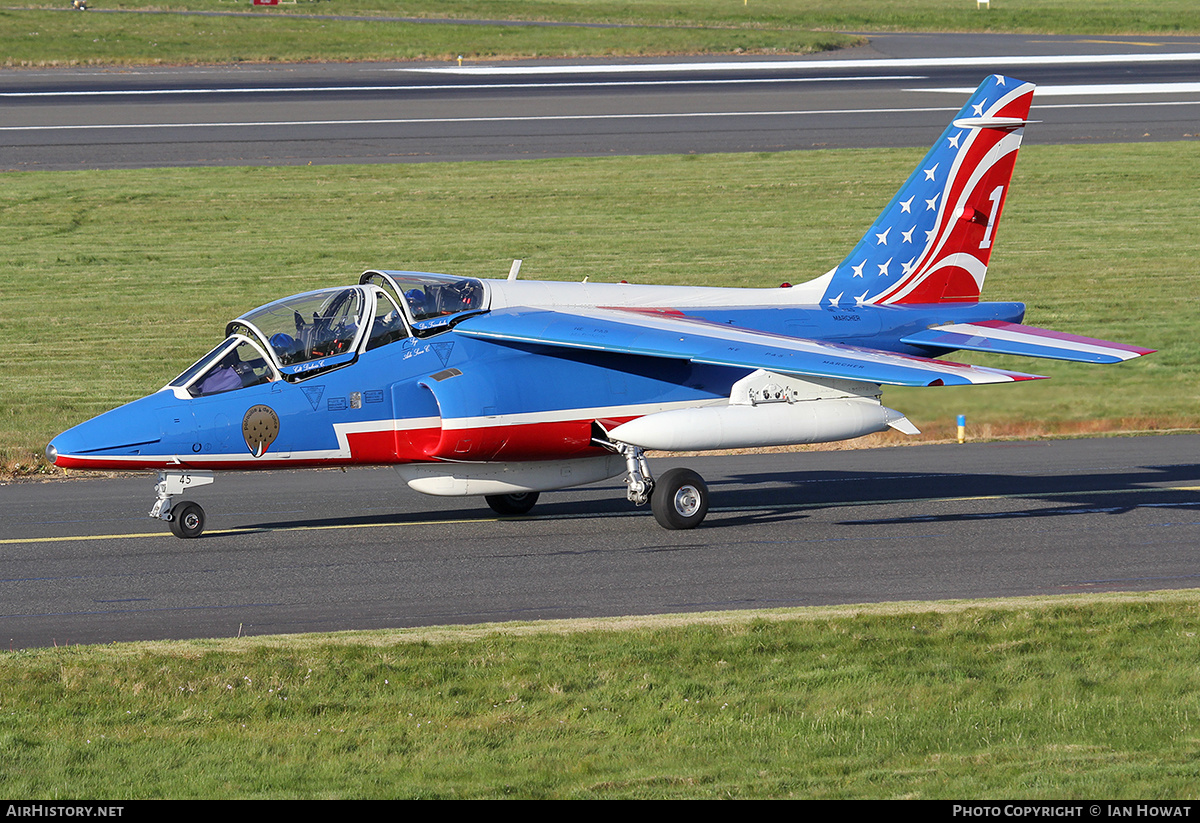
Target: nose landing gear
186, 519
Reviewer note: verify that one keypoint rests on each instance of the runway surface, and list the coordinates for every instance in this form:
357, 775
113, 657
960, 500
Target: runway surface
329, 550
899, 91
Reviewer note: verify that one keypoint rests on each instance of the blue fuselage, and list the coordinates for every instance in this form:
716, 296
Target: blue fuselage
452, 397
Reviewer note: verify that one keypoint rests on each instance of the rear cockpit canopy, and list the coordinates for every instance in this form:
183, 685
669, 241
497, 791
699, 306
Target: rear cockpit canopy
432, 301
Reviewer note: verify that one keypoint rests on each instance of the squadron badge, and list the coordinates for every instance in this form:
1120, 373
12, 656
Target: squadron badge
260, 427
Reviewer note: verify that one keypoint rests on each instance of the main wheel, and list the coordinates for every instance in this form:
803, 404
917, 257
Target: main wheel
512, 503
679, 499
187, 520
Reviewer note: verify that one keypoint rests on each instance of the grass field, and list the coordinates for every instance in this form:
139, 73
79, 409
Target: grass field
114, 282
46, 34
1071, 697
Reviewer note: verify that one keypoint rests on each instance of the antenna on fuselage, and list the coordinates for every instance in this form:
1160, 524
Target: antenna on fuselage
515, 270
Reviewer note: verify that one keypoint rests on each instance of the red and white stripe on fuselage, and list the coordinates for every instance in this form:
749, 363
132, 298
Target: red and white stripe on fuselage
525, 436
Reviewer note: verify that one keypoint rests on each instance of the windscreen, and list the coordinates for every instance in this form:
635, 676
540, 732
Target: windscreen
235, 364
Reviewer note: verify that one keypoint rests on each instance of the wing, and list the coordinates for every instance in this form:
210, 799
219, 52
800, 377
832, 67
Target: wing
1013, 338
700, 341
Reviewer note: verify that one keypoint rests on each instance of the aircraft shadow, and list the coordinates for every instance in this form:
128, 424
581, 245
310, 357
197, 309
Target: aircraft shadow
758, 498
1100, 492
580, 509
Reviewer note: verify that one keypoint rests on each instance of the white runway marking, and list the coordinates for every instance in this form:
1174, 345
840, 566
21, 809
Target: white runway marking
1094, 89
607, 84
400, 121
818, 65
419, 120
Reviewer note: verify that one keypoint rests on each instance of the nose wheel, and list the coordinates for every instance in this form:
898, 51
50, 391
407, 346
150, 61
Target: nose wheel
187, 518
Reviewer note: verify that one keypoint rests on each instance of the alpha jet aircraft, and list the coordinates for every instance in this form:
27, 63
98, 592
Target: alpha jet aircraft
507, 388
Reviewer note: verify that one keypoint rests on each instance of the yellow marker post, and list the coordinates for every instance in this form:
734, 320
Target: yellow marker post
962, 428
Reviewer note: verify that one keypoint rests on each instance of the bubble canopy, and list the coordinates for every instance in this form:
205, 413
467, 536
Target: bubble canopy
311, 333
292, 338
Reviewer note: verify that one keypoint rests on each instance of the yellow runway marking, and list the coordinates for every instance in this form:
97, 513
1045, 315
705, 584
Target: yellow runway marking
1120, 42
70, 538
246, 530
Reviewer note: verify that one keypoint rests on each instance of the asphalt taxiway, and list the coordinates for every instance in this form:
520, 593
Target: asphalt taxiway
898, 91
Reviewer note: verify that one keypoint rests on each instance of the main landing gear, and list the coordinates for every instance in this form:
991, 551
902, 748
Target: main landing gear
512, 503
187, 518
679, 499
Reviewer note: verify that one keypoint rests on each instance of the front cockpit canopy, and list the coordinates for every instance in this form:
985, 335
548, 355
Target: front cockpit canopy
305, 329
236, 363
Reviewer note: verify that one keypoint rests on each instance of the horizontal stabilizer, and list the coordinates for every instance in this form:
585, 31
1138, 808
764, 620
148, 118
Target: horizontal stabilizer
993, 122
698, 341
1013, 338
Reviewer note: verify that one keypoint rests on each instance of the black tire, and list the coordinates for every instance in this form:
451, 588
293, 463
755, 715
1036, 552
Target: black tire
512, 503
187, 520
679, 499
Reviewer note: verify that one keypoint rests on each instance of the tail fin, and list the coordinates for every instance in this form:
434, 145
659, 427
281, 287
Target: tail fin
932, 243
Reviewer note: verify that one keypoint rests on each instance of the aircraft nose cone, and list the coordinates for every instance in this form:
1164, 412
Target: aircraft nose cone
122, 432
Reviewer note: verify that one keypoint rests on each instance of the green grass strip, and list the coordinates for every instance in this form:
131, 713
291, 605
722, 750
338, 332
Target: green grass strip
54, 38
220, 31
1058, 698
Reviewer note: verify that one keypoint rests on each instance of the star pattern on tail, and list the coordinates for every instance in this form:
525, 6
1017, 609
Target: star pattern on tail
933, 240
